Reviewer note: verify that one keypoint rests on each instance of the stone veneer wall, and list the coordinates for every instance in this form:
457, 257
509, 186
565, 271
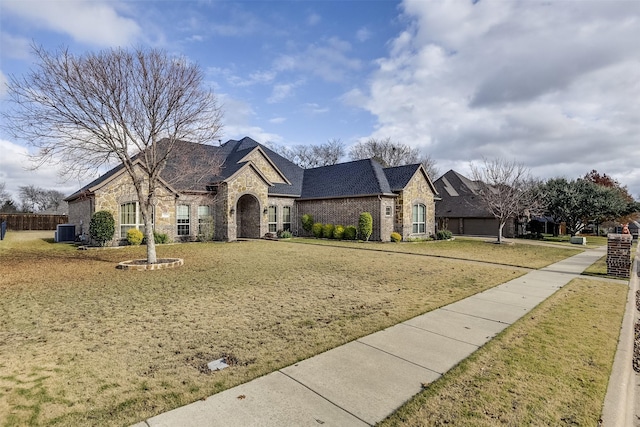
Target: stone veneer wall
80, 212
619, 255
247, 181
121, 190
416, 191
346, 212
264, 166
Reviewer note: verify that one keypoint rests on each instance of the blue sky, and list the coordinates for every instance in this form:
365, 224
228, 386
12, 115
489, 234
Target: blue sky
554, 85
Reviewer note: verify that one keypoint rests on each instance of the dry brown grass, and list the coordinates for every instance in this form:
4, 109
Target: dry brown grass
521, 254
551, 368
82, 343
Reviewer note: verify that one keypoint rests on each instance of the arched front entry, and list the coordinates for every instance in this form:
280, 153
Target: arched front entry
248, 217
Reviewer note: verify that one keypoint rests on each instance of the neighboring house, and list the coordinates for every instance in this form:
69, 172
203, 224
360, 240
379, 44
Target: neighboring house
462, 211
257, 191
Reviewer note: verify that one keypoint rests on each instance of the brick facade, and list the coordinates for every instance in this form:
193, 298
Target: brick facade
345, 212
619, 255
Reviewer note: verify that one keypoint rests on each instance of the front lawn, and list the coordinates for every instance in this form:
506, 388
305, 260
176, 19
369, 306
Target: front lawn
550, 368
520, 254
82, 343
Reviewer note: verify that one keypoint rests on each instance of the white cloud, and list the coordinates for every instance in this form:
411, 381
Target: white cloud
363, 34
314, 19
3, 84
328, 59
283, 91
238, 120
553, 85
14, 47
278, 120
16, 171
95, 22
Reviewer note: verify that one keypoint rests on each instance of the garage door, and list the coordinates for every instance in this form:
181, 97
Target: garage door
480, 227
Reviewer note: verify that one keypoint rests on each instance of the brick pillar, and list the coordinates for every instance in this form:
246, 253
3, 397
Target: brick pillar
619, 255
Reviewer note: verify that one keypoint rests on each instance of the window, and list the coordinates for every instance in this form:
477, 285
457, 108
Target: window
419, 218
273, 219
387, 211
286, 218
204, 220
130, 217
182, 217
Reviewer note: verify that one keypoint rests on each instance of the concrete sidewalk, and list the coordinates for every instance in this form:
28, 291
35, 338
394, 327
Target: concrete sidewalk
364, 381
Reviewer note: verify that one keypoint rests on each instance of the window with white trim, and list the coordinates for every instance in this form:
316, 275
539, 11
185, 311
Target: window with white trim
273, 219
286, 218
130, 217
182, 219
419, 218
388, 211
204, 220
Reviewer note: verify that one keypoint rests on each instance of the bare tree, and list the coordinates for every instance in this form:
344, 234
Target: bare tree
36, 199
4, 194
312, 156
506, 188
430, 166
387, 152
6, 202
114, 105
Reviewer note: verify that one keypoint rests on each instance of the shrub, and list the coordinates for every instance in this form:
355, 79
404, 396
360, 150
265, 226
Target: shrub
316, 229
102, 227
365, 225
444, 235
307, 222
338, 232
396, 237
286, 234
160, 238
350, 232
134, 236
327, 231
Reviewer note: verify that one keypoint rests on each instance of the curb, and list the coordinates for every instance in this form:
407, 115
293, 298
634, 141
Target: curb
619, 402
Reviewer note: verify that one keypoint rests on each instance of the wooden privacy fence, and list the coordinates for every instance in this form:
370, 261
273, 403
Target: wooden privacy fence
27, 221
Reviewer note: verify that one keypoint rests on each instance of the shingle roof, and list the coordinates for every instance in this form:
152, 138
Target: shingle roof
460, 197
357, 178
400, 176
193, 172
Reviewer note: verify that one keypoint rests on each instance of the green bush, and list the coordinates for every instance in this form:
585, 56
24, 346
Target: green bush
286, 234
307, 222
327, 231
444, 235
338, 232
102, 227
350, 232
365, 225
134, 236
316, 229
396, 237
160, 238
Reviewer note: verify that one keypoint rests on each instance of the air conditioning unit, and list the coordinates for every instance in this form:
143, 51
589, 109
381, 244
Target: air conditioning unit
65, 233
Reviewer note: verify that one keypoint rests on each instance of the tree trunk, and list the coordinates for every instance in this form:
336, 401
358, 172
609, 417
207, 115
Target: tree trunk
151, 242
500, 232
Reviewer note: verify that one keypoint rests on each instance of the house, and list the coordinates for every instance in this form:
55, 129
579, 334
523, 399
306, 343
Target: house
256, 191
462, 211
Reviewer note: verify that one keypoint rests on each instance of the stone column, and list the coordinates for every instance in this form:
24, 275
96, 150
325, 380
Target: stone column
619, 255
